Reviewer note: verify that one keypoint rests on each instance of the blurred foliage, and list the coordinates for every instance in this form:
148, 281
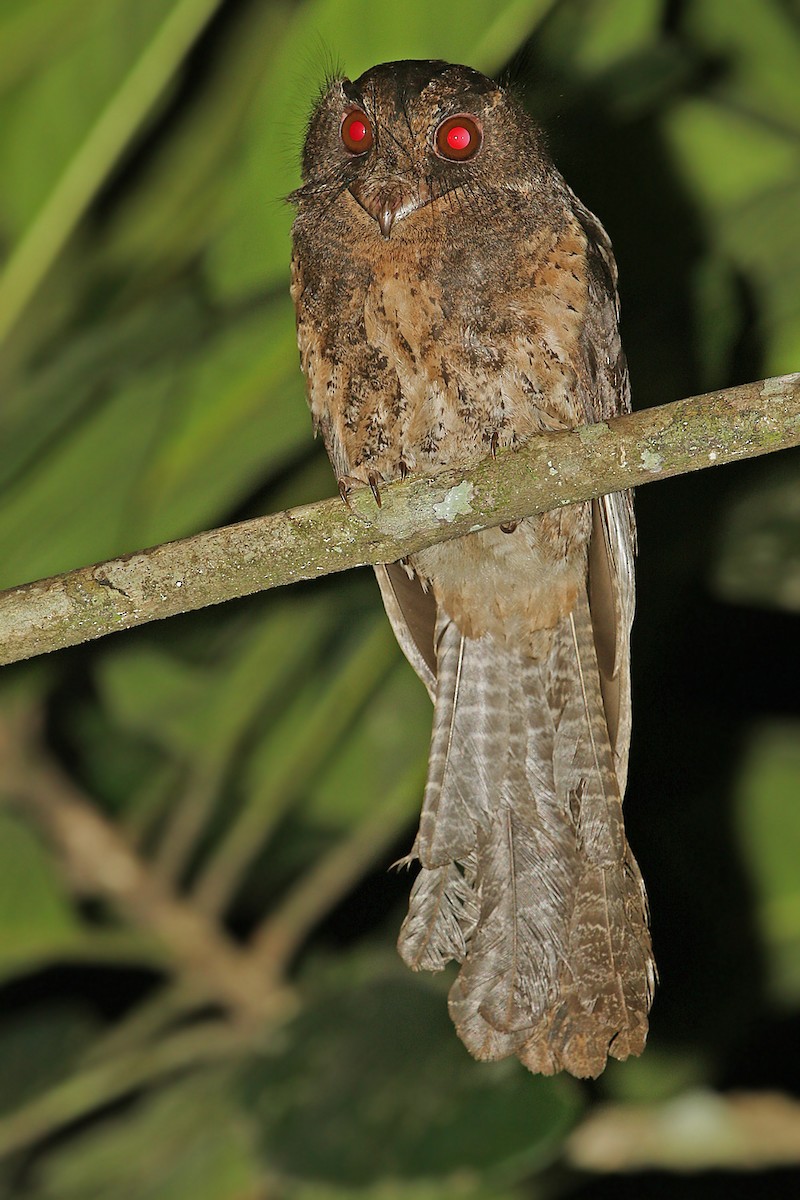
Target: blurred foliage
265, 762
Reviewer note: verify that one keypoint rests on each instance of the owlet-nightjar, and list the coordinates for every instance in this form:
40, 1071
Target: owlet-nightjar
453, 298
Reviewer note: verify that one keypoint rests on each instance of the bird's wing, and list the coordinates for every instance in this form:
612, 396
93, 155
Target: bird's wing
412, 612
604, 393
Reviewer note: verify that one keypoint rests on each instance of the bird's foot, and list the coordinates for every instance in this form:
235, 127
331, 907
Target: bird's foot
348, 482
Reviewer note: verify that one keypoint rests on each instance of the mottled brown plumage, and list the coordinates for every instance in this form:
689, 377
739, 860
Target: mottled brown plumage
448, 306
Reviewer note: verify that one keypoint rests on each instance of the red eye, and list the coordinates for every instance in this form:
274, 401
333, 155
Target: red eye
356, 132
459, 137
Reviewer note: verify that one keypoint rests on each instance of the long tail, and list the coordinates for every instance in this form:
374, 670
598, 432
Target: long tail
527, 878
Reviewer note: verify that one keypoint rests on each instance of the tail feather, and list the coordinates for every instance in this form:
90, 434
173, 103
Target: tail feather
442, 915
527, 878
468, 722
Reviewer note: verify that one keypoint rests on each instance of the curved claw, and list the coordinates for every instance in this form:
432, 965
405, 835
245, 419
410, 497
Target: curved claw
509, 526
373, 478
348, 482
344, 491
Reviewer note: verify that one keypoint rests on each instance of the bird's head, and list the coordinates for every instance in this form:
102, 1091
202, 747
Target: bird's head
407, 135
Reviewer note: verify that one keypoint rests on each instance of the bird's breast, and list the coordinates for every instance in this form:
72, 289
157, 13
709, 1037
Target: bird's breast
427, 359
419, 365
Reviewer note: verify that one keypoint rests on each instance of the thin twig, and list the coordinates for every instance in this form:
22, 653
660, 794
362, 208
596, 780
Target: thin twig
696, 1131
149, 1020
100, 862
102, 1084
550, 471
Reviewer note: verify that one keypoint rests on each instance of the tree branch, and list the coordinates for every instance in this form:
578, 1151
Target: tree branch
100, 862
550, 471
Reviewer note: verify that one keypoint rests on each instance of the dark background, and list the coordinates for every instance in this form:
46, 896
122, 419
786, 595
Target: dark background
199, 995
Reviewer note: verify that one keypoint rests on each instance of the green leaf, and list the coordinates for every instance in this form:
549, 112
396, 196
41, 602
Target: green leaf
728, 157
201, 711
768, 818
71, 508
58, 102
747, 178
758, 561
373, 1084
174, 445
591, 38
237, 412
86, 110
758, 50
292, 750
187, 1143
39, 1046
392, 732
736, 145
36, 919
661, 1073
31, 31
80, 374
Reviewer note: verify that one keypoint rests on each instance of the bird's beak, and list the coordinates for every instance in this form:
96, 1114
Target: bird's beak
387, 202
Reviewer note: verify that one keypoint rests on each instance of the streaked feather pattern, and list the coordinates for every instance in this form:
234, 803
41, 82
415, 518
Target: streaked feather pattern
447, 309
526, 876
